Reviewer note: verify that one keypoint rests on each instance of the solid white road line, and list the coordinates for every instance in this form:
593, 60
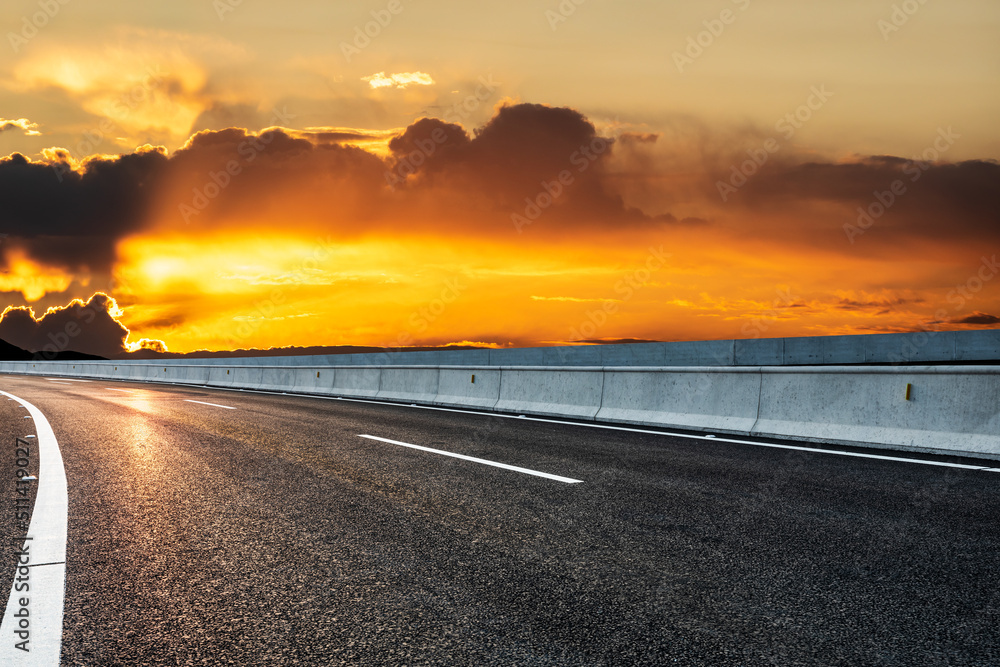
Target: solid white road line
214, 405
46, 571
526, 471
68, 384
65, 380
127, 391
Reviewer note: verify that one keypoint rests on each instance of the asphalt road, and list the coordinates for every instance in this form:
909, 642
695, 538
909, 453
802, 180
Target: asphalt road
272, 534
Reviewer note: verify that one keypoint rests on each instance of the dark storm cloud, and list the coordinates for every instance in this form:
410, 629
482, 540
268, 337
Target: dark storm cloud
529, 160
236, 175
79, 327
438, 178
72, 219
983, 319
903, 199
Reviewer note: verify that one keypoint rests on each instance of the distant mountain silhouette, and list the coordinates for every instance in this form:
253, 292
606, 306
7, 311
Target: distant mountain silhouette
10, 352
285, 351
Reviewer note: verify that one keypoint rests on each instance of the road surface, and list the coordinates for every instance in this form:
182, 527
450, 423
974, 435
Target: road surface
237, 528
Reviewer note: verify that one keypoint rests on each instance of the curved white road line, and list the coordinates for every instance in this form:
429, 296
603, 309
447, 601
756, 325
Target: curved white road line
46, 558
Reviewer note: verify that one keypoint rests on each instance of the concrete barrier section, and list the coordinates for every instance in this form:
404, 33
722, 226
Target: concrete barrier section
103, 371
220, 376
919, 347
311, 380
558, 392
700, 353
186, 374
713, 399
949, 409
978, 345
416, 385
802, 351
580, 355
248, 377
282, 378
636, 354
468, 388
359, 382
759, 352
149, 372
518, 356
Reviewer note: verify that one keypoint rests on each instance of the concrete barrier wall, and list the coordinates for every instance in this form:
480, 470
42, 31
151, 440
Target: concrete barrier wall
316, 380
310, 380
714, 399
248, 378
950, 409
186, 374
219, 376
143, 372
359, 382
418, 385
468, 387
563, 392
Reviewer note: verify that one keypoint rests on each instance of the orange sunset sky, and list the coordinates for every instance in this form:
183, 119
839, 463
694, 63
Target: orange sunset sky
230, 174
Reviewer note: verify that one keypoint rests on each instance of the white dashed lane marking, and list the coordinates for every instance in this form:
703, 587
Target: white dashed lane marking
526, 471
214, 405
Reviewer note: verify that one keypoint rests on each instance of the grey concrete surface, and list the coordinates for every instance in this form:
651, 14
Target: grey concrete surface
569, 392
468, 387
706, 399
955, 409
949, 407
419, 385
